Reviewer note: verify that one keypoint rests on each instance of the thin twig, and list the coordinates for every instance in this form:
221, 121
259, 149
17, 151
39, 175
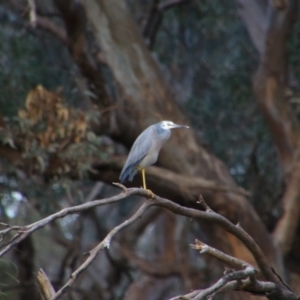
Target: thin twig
227, 259
238, 275
104, 244
238, 280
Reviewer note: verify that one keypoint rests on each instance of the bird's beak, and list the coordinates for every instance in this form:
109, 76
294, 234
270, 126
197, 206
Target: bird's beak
180, 126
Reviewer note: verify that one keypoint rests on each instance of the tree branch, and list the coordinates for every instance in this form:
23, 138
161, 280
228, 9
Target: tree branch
104, 244
236, 230
237, 280
208, 215
24, 231
227, 259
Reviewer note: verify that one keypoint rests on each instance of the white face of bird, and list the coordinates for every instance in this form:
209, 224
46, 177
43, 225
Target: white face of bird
170, 125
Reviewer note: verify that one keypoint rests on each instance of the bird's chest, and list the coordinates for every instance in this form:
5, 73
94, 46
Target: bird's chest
152, 155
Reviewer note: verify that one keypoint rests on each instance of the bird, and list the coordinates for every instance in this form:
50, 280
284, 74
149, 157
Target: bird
144, 151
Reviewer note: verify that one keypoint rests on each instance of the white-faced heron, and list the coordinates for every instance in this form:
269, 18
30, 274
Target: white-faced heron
145, 149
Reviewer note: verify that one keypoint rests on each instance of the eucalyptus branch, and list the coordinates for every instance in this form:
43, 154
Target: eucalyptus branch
24, 231
244, 278
104, 244
231, 261
237, 280
236, 230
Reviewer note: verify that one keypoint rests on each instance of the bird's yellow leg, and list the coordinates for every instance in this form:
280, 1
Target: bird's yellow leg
144, 179
150, 193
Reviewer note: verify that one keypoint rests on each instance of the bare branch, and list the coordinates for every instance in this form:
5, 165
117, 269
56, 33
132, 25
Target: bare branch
238, 280
233, 280
104, 244
24, 231
219, 285
234, 276
227, 259
240, 233
237, 231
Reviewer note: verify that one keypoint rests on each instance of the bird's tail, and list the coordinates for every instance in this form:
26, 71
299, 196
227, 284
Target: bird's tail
128, 173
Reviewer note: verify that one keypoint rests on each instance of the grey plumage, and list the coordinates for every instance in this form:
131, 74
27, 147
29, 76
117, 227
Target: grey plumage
145, 150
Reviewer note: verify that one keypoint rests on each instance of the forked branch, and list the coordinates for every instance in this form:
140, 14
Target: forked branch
240, 279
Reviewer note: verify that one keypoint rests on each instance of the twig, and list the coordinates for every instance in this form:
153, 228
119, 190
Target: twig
238, 275
227, 259
204, 204
94, 191
104, 244
121, 186
238, 280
